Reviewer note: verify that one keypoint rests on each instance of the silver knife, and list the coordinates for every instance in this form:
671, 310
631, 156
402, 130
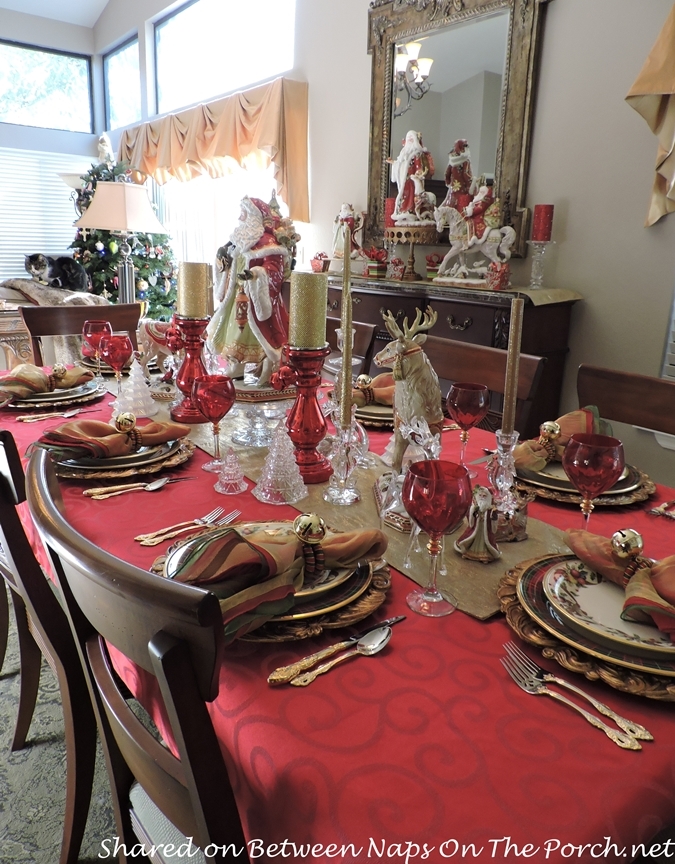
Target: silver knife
284, 674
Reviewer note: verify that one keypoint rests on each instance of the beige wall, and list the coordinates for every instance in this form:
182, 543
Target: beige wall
592, 156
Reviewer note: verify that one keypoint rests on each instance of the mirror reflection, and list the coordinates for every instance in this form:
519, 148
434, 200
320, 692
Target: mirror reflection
458, 95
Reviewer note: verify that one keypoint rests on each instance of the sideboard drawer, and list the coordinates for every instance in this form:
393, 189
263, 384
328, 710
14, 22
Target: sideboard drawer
464, 322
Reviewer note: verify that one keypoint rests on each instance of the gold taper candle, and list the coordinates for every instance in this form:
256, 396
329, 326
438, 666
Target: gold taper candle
194, 290
307, 315
512, 363
346, 325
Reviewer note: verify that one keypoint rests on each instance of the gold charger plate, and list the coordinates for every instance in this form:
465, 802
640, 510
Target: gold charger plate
59, 402
65, 393
560, 644
554, 477
182, 452
644, 487
376, 416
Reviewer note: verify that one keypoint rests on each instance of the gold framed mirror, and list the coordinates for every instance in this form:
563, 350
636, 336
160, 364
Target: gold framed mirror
480, 87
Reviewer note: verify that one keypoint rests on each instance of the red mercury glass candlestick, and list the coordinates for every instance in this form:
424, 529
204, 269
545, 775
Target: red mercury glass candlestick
542, 223
189, 337
306, 423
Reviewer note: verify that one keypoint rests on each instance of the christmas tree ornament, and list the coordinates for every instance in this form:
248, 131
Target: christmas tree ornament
280, 481
135, 397
231, 478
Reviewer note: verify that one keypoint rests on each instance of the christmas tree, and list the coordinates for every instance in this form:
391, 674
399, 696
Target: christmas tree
99, 251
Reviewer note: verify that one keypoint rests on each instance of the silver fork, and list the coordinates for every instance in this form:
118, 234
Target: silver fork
204, 520
205, 526
532, 685
530, 667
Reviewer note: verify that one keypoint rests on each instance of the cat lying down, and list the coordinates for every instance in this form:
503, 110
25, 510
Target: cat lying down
62, 272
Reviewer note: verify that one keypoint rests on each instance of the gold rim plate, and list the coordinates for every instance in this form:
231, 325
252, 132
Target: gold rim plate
334, 599
554, 477
143, 456
530, 592
23, 405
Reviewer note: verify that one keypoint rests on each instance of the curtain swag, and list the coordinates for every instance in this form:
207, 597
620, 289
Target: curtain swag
269, 121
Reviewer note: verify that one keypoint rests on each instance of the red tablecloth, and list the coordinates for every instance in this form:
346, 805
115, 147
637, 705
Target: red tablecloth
430, 742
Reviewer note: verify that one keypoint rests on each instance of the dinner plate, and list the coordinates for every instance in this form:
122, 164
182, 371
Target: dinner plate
143, 456
553, 477
329, 601
313, 585
377, 416
592, 606
530, 592
66, 393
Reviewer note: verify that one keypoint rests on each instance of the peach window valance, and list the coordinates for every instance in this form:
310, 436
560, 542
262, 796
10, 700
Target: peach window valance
269, 121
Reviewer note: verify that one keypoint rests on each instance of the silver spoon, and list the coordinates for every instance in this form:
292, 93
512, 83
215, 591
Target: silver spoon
367, 645
148, 487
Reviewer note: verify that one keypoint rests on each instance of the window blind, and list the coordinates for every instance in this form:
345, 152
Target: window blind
36, 211
668, 369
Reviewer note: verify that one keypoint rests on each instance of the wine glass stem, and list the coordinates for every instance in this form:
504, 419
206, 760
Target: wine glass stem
216, 442
98, 365
434, 547
463, 437
118, 375
586, 508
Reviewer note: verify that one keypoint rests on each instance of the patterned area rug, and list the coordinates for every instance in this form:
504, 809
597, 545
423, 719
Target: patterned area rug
33, 780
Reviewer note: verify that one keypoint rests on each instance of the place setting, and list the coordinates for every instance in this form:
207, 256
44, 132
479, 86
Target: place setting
31, 388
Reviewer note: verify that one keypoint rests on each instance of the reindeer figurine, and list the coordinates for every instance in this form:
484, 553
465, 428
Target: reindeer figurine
417, 393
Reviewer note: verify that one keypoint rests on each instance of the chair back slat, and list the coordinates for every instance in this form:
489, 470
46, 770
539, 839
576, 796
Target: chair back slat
627, 397
69, 320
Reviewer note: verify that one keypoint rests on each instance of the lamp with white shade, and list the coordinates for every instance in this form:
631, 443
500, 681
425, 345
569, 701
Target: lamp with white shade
124, 209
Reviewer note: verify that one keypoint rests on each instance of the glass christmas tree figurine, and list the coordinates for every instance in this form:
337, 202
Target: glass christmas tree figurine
280, 481
231, 479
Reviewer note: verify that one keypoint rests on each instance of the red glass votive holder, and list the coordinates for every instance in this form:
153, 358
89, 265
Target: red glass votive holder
542, 223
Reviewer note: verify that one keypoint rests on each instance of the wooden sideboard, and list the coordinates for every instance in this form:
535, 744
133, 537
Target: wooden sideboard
473, 315
14, 338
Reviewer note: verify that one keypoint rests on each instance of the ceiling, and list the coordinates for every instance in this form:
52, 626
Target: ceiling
83, 12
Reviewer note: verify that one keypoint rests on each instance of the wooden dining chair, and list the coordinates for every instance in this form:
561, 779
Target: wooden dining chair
462, 361
43, 629
627, 397
175, 633
68, 321
364, 342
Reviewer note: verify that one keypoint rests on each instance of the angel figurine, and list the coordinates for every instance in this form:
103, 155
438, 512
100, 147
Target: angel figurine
477, 542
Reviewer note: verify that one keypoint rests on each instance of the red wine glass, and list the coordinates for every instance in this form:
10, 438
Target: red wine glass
467, 404
214, 396
437, 495
593, 464
92, 333
116, 350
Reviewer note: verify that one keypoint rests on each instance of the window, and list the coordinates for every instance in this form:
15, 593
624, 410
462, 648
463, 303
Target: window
201, 214
210, 48
36, 209
122, 77
43, 88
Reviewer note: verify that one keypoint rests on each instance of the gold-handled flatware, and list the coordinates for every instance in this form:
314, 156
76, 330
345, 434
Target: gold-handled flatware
663, 510
528, 666
285, 674
536, 688
33, 418
367, 646
101, 492
205, 525
202, 520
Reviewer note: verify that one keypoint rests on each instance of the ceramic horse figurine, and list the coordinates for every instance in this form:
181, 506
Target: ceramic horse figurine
495, 243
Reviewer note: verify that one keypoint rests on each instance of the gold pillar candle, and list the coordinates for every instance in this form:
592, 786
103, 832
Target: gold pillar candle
194, 290
512, 363
307, 315
345, 414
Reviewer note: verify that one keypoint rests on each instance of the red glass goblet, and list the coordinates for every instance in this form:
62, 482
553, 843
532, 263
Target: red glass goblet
116, 350
467, 404
593, 464
437, 495
92, 333
214, 395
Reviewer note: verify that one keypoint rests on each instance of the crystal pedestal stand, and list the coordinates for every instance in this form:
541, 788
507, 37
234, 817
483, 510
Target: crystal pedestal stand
189, 338
539, 248
344, 459
306, 423
503, 473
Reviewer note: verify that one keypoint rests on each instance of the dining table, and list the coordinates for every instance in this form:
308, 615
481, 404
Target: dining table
427, 751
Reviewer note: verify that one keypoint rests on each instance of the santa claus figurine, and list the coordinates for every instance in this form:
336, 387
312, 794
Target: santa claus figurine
251, 323
459, 177
478, 219
409, 171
